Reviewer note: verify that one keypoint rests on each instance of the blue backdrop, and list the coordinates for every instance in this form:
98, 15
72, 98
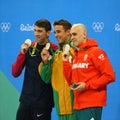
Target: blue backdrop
16, 24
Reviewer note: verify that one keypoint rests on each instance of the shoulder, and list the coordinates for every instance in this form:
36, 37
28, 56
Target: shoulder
54, 46
33, 43
98, 52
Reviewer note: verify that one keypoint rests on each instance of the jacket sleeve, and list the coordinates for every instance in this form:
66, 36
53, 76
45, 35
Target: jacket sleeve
45, 71
104, 67
67, 71
18, 65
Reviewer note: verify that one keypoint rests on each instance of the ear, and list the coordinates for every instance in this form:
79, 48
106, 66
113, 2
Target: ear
68, 32
85, 34
48, 33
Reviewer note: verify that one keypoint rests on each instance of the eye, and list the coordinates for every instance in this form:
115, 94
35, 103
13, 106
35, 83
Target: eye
39, 31
74, 34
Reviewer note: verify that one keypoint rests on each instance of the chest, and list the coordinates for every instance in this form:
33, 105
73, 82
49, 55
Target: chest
83, 59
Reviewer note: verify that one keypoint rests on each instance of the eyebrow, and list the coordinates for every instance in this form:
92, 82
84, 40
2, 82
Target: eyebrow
37, 30
73, 33
57, 31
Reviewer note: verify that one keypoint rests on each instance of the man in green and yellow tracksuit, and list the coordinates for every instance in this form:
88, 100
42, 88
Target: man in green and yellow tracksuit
51, 70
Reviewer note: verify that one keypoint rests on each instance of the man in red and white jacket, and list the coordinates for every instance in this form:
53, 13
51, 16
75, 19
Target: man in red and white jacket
88, 74
36, 99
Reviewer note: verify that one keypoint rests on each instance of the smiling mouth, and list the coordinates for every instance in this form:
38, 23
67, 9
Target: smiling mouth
37, 37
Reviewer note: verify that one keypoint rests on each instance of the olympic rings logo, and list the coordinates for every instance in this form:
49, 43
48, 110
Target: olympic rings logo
117, 27
5, 26
98, 26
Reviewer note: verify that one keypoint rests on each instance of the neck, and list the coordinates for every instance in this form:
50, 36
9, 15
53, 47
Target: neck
63, 43
43, 42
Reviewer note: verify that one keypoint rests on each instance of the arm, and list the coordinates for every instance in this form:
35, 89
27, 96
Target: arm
18, 65
104, 67
67, 68
45, 71
45, 67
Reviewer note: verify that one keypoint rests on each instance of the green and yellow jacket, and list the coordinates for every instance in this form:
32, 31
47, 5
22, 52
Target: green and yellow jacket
53, 72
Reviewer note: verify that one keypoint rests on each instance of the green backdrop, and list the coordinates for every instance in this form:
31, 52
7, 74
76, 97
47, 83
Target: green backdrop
9, 98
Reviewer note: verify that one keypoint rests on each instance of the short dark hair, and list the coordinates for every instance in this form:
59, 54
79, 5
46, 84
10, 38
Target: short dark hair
44, 23
66, 24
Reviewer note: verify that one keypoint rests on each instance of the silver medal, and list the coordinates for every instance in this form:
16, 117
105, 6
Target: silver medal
28, 42
66, 47
47, 46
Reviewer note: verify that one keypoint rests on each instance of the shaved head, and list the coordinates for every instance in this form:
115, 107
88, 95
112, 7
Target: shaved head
78, 33
79, 26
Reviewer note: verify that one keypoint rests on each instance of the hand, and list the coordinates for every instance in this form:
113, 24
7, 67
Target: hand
24, 48
65, 55
45, 55
80, 86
